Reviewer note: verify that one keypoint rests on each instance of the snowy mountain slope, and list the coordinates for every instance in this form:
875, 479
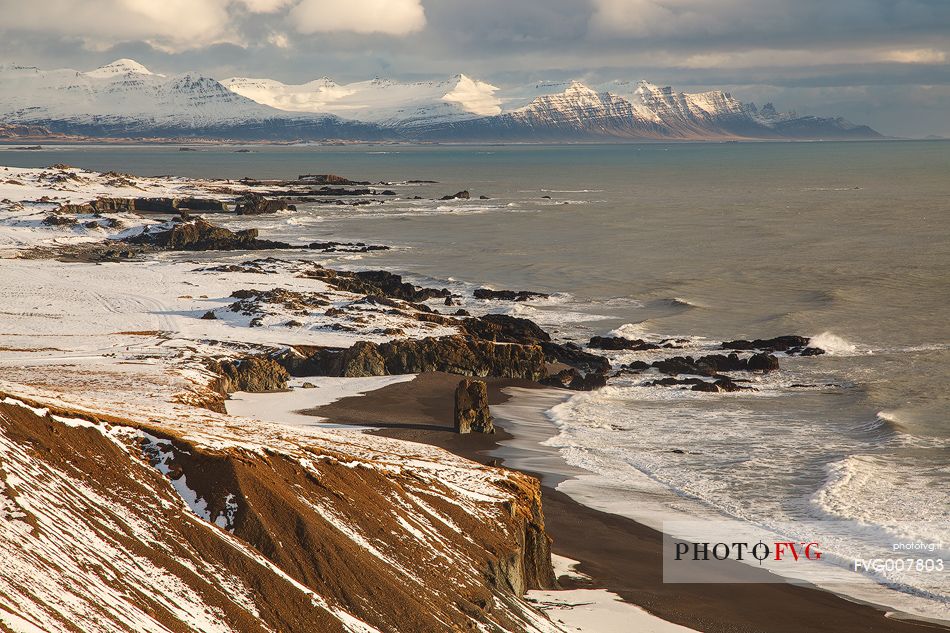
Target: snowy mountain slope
125, 98
120, 91
382, 101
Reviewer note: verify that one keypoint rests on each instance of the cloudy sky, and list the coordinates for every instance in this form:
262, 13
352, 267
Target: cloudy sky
881, 62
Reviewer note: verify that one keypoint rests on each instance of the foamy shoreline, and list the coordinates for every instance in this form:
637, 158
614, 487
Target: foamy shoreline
528, 417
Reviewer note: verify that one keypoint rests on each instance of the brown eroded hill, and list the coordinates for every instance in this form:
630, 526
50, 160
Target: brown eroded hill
111, 525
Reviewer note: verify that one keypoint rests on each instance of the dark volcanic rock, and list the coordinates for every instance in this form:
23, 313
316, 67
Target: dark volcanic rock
147, 205
451, 354
508, 295
338, 191
201, 235
620, 343
256, 204
59, 220
393, 286
505, 329
637, 365
684, 365
712, 364
777, 344
346, 247
375, 282
572, 379
572, 355
329, 179
720, 385
672, 382
461, 195
502, 328
254, 374
471, 408
763, 362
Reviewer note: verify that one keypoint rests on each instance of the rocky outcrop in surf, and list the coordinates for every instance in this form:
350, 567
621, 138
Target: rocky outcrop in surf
712, 364
253, 203
508, 295
722, 384
570, 378
791, 345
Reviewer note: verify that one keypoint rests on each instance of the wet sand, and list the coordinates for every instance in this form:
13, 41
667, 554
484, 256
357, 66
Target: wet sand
619, 554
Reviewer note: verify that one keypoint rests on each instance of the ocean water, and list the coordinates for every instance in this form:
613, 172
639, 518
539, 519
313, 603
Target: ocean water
845, 242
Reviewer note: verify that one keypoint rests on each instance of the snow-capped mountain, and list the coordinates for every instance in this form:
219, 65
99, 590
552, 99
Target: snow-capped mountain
461, 108
125, 98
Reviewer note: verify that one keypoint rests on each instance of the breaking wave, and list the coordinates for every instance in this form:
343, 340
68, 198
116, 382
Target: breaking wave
833, 344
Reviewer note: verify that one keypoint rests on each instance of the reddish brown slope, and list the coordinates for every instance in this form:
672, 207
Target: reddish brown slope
314, 538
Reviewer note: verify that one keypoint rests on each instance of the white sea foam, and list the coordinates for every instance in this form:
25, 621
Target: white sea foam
748, 461
833, 344
886, 491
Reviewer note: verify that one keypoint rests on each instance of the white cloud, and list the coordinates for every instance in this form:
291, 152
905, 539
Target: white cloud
916, 56
653, 18
265, 6
177, 25
391, 17
169, 24
475, 96
279, 40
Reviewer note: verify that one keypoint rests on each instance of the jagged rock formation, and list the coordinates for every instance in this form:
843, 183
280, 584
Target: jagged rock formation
375, 282
201, 235
621, 343
145, 205
255, 374
508, 295
451, 354
256, 204
570, 378
790, 344
493, 345
471, 408
502, 328
107, 524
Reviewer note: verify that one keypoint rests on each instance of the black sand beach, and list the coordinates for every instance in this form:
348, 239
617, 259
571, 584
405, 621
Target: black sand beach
619, 554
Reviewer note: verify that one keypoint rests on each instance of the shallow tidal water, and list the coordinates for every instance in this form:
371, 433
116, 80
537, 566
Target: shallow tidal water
846, 242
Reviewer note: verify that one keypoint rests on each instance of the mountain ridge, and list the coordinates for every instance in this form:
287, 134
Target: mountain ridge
124, 98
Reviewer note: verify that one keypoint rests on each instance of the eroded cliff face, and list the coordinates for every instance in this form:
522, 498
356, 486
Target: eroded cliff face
110, 524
